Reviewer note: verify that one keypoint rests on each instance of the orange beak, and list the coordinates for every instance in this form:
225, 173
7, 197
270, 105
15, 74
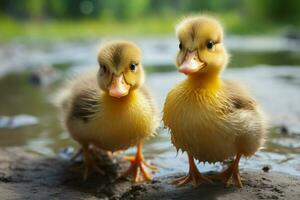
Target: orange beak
118, 87
191, 63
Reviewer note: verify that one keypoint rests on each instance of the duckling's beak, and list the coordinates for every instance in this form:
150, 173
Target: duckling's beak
118, 87
191, 63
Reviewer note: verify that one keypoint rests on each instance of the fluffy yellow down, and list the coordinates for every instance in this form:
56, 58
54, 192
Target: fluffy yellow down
199, 123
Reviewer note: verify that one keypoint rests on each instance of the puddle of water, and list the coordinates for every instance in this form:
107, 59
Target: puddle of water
277, 58
17, 121
241, 59
19, 96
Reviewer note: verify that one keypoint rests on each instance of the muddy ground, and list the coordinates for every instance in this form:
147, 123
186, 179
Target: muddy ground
26, 175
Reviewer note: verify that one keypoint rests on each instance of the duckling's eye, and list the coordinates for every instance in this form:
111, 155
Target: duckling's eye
210, 45
180, 46
103, 68
133, 66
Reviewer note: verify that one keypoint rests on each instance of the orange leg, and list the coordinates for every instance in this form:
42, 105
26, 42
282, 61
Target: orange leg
193, 176
231, 172
139, 166
99, 153
89, 163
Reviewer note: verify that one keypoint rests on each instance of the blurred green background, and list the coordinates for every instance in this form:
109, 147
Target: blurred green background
79, 19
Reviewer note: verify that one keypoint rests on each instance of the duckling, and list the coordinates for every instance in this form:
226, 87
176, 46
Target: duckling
211, 119
111, 109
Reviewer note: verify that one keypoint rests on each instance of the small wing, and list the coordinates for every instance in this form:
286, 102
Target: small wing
85, 99
237, 96
85, 105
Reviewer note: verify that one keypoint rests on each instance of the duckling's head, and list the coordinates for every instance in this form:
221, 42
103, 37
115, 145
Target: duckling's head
201, 50
120, 68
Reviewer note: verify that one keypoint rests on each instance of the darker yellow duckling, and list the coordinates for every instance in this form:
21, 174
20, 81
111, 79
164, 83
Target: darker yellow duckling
210, 118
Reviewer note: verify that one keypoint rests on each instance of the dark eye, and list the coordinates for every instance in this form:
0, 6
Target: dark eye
133, 66
210, 44
180, 46
103, 68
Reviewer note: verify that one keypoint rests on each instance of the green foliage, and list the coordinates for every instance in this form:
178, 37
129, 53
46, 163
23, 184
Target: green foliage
274, 11
124, 10
266, 10
57, 8
35, 8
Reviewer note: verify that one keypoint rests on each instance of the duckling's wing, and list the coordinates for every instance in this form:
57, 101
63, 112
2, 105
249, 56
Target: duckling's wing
85, 105
85, 99
237, 96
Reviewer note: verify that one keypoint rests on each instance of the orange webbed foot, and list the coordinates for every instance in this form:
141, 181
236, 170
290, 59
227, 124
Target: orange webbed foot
231, 172
193, 175
139, 168
196, 178
90, 164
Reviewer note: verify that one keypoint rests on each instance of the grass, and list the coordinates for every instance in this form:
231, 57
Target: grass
82, 29
94, 28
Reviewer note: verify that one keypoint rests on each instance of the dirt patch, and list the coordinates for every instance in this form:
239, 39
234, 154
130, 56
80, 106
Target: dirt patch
25, 175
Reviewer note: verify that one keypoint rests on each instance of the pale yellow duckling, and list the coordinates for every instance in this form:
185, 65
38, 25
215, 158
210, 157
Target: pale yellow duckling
111, 110
210, 118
